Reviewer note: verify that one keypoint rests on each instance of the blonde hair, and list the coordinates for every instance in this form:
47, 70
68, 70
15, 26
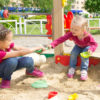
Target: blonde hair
80, 21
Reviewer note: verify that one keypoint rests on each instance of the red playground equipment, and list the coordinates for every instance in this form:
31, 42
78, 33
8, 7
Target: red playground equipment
49, 25
67, 22
65, 59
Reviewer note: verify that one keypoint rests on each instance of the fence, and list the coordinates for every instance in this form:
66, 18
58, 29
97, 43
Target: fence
28, 26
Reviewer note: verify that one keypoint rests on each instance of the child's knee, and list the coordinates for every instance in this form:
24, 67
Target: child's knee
28, 61
11, 63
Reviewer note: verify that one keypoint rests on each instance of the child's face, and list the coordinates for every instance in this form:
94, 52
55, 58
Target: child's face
6, 43
76, 30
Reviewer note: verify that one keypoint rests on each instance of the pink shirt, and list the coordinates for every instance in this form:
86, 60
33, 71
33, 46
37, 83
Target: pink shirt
3, 53
87, 41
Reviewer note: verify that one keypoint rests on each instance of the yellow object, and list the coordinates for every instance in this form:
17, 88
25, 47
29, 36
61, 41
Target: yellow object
0, 80
58, 58
63, 2
66, 54
73, 96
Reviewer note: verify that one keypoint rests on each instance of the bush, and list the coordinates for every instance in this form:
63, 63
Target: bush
11, 17
86, 15
38, 17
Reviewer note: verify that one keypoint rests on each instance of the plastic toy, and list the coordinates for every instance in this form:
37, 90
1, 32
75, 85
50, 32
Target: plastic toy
47, 55
39, 51
73, 97
53, 95
85, 54
40, 84
38, 59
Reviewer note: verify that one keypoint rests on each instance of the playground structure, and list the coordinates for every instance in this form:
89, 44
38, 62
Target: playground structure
55, 26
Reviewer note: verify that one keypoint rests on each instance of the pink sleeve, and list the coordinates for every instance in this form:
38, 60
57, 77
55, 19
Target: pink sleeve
2, 54
61, 39
11, 46
93, 44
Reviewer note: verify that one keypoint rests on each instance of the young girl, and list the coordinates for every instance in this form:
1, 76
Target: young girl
11, 61
83, 42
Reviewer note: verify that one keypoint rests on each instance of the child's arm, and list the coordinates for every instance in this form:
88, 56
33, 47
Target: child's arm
21, 52
93, 44
17, 48
61, 39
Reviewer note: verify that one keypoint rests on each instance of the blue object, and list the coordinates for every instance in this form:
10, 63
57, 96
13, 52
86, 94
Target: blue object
1, 13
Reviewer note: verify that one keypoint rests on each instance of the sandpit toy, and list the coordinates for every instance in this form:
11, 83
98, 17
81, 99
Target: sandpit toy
37, 58
53, 95
47, 55
40, 84
39, 51
85, 54
73, 96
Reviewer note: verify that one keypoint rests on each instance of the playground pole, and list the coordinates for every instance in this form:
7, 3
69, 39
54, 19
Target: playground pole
58, 24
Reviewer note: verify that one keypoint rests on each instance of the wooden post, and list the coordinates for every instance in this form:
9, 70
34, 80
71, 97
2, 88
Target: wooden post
58, 24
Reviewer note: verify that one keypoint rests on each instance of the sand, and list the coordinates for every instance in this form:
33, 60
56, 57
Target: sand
55, 75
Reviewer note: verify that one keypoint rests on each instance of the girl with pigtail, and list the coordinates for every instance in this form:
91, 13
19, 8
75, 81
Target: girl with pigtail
83, 40
12, 58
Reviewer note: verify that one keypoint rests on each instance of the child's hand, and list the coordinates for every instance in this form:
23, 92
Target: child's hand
38, 49
90, 52
47, 47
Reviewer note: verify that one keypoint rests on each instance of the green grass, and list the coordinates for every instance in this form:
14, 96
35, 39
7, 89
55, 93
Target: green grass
95, 32
36, 31
31, 30
94, 23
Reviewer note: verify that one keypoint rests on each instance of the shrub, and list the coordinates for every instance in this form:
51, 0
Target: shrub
11, 17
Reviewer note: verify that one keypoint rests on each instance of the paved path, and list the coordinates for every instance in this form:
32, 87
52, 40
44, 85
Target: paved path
36, 41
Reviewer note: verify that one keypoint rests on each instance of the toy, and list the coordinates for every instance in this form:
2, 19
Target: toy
37, 58
39, 51
85, 54
73, 97
40, 84
53, 95
47, 55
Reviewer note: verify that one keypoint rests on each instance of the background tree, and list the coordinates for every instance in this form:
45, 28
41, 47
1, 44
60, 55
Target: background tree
44, 5
92, 6
69, 5
4, 3
27, 3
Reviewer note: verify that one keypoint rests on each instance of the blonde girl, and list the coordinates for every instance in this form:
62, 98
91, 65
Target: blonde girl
83, 42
